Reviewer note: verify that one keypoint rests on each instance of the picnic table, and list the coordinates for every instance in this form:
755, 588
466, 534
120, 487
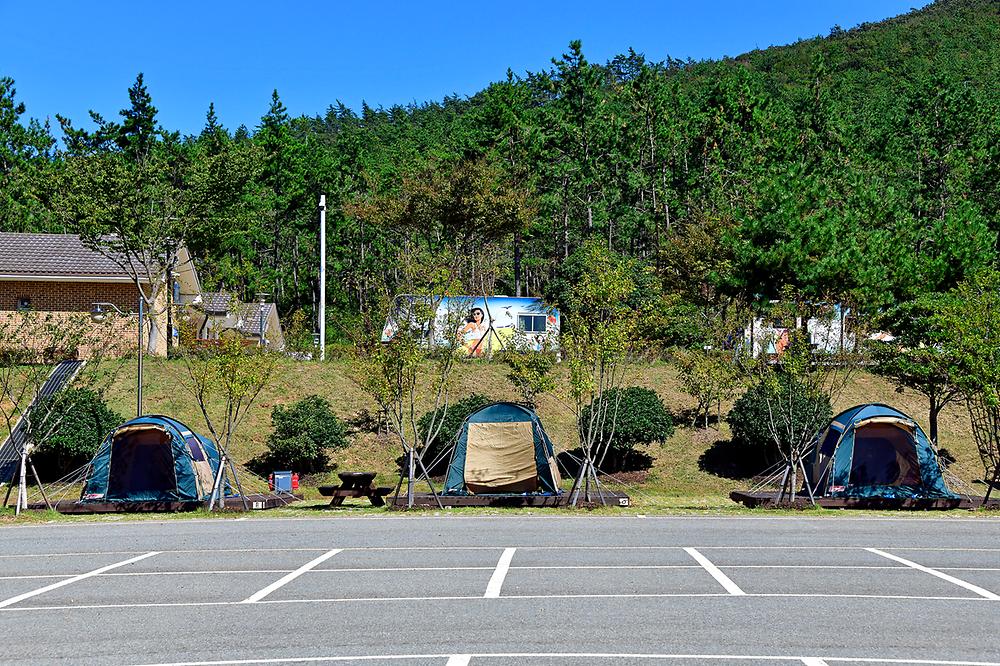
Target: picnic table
355, 484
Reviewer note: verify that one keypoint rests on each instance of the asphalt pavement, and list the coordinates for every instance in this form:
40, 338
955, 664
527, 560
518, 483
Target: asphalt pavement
499, 591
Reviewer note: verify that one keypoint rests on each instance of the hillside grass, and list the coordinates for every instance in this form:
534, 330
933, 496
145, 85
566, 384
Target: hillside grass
677, 479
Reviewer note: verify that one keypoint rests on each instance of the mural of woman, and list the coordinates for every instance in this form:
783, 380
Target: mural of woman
472, 334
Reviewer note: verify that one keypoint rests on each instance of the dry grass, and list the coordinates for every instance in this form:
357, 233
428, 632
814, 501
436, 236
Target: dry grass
676, 480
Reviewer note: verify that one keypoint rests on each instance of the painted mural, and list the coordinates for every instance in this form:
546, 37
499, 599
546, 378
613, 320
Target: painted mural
481, 325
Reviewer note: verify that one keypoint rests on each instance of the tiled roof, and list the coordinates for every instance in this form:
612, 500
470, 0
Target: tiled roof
215, 302
53, 255
250, 320
247, 314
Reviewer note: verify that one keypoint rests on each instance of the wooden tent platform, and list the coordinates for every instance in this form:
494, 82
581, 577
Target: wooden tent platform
257, 502
426, 500
770, 500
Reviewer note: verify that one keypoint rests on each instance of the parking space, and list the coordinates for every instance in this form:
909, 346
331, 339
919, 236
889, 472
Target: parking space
227, 576
503, 599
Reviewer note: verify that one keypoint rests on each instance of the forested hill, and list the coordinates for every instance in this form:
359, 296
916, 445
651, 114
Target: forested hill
862, 166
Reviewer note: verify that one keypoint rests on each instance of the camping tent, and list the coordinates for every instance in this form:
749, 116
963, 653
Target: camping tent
502, 449
875, 451
152, 458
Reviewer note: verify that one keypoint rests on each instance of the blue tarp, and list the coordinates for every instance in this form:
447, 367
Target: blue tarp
875, 451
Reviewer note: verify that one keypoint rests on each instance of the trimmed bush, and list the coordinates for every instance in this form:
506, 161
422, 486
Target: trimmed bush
303, 434
68, 428
642, 418
750, 419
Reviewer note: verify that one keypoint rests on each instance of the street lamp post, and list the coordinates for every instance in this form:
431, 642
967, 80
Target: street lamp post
98, 313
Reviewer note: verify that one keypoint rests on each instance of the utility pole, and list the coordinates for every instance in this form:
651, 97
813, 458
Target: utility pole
322, 277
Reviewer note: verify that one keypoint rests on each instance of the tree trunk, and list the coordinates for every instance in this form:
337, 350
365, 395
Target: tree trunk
932, 420
154, 334
517, 264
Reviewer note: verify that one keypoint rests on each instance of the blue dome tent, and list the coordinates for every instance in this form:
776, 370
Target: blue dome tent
502, 449
152, 458
875, 451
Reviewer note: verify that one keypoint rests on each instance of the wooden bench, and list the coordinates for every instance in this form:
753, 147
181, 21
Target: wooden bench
355, 484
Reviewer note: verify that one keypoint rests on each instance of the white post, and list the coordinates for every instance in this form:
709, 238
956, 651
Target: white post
322, 277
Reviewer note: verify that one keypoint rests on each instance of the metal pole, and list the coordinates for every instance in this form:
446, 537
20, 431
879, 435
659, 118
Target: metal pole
322, 277
138, 390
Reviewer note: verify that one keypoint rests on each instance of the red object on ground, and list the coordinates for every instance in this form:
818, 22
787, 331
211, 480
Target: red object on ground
295, 481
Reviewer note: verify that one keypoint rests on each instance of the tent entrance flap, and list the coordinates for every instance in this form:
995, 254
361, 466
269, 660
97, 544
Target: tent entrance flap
885, 454
500, 458
141, 462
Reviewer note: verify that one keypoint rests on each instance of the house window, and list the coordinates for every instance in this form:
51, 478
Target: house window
531, 323
23, 303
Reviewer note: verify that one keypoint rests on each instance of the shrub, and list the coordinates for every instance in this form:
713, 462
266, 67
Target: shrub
68, 428
755, 426
303, 433
641, 419
456, 414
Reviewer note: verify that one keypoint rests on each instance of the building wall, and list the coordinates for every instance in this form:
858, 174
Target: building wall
71, 302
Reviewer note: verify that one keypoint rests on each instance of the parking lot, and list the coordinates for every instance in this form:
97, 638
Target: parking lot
505, 591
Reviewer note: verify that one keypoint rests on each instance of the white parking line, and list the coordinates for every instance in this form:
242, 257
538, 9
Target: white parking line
494, 548
507, 598
577, 656
287, 578
986, 594
34, 593
723, 579
499, 574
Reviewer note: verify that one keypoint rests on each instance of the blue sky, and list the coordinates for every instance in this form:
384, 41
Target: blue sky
68, 56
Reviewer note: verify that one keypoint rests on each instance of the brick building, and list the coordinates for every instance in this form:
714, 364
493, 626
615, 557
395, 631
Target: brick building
51, 277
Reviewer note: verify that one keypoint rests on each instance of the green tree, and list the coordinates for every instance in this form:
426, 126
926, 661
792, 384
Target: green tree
915, 358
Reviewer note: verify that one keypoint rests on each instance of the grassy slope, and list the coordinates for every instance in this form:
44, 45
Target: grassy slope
676, 479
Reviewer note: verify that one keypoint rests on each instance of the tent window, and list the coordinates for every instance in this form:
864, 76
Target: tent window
531, 323
197, 453
884, 455
141, 463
